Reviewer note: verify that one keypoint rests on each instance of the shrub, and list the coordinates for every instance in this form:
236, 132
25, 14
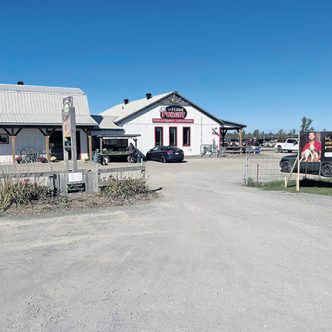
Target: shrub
20, 193
126, 187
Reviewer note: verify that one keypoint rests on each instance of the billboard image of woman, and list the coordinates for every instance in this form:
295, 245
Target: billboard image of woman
311, 147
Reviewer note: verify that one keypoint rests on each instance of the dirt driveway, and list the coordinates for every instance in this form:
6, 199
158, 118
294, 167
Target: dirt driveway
209, 255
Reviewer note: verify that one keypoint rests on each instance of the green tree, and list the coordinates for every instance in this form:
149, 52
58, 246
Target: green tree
292, 133
281, 135
256, 133
306, 125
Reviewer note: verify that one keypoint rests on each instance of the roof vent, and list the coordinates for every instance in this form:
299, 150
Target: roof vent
20, 83
126, 101
148, 96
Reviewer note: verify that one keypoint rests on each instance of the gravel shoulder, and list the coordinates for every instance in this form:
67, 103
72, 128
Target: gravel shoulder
207, 255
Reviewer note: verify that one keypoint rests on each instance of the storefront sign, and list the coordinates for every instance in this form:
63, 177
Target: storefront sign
172, 114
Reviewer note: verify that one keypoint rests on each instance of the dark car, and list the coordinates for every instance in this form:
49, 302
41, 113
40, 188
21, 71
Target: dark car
165, 154
323, 168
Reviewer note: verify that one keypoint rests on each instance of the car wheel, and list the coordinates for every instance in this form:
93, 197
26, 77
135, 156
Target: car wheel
131, 159
327, 170
105, 160
279, 149
163, 159
286, 166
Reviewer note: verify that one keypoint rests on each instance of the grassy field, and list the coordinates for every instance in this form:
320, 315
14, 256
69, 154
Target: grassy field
319, 187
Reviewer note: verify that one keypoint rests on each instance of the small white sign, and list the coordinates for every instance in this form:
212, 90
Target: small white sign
75, 177
328, 154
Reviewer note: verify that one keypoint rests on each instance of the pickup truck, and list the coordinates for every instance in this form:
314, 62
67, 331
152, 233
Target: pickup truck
290, 145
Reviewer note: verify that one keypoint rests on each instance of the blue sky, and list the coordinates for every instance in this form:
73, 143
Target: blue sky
263, 63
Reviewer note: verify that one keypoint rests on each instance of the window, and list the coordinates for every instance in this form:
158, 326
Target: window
158, 136
186, 136
173, 139
4, 139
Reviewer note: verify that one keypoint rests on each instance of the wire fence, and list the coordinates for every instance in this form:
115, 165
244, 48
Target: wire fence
261, 170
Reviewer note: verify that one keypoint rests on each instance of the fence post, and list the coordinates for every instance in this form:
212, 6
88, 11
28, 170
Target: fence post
246, 171
257, 172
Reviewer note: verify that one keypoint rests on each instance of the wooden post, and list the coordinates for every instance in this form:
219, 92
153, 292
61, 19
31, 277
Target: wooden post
47, 147
299, 159
90, 146
240, 133
257, 173
101, 144
13, 141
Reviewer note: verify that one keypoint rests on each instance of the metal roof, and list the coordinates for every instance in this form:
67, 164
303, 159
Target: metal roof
31, 105
232, 125
122, 111
37, 88
106, 122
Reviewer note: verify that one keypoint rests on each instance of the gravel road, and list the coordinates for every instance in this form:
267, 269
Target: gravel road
208, 255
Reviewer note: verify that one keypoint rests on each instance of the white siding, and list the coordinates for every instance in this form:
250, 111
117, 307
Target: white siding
26, 139
33, 139
201, 129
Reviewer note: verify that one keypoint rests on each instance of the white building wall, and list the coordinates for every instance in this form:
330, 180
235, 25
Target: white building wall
28, 139
201, 130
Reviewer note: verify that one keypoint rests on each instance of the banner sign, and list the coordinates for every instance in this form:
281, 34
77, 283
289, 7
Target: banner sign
316, 146
66, 116
157, 120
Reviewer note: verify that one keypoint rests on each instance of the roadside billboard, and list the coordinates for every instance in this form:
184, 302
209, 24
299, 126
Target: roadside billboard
310, 147
316, 146
326, 138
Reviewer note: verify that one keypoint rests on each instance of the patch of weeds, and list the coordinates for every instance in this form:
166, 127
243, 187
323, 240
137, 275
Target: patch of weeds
21, 193
125, 187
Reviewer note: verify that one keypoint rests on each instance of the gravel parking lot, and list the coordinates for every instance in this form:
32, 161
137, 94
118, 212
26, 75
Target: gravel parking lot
208, 255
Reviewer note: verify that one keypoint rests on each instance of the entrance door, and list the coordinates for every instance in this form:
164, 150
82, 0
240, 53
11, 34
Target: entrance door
57, 146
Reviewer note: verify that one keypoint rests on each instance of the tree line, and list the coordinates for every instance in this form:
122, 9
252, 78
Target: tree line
281, 135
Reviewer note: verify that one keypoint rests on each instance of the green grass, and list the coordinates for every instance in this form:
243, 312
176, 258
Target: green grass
319, 187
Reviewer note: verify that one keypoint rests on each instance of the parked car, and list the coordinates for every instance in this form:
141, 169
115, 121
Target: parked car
165, 154
322, 168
